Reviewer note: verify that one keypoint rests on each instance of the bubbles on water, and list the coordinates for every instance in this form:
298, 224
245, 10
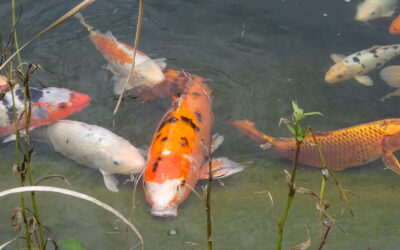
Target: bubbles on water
173, 232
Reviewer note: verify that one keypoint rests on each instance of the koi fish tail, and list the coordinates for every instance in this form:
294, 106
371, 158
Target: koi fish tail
247, 128
82, 21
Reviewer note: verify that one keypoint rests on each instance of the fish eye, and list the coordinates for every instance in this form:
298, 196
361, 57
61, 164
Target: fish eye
116, 163
340, 76
62, 105
372, 13
141, 75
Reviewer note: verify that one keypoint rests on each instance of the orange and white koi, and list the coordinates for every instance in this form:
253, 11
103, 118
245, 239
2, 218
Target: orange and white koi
179, 153
343, 148
48, 105
373, 9
394, 27
147, 72
358, 64
93, 146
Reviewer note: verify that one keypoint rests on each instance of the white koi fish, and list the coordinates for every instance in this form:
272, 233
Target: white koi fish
373, 9
358, 64
147, 72
94, 147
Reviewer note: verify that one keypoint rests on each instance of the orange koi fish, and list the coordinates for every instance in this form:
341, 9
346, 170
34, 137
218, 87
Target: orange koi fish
147, 72
343, 148
395, 26
178, 155
48, 105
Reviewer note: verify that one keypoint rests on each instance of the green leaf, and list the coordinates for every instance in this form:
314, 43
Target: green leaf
295, 106
70, 244
313, 113
300, 138
291, 129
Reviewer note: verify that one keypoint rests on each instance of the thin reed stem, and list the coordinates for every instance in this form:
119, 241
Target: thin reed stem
208, 197
16, 126
291, 194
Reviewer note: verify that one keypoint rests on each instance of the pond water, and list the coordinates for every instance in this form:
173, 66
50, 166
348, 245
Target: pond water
258, 57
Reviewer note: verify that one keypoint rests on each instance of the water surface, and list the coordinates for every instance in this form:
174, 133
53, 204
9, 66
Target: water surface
258, 56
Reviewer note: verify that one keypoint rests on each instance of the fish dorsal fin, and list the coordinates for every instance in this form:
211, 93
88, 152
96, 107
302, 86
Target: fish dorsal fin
364, 80
221, 167
337, 57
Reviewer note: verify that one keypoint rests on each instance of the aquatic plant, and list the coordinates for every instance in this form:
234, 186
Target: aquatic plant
294, 127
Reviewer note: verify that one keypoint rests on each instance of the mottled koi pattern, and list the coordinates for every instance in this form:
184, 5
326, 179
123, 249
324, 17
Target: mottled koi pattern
344, 148
179, 147
48, 105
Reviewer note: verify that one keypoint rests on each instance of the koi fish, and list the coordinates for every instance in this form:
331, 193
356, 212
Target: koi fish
48, 105
93, 146
179, 153
395, 26
147, 72
358, 64
344, 148
391, 75
373, 9
3, 81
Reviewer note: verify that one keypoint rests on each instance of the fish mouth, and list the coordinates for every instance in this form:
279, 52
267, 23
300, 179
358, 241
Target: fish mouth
164, 211
82, 100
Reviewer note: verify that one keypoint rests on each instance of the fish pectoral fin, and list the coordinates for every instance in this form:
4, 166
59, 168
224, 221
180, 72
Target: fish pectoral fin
110, 181
113, 70
391, 162
395, 93
119, 83
221, 167
217, 140
388, 14
161, 62
13, 137
364, 80
337, 57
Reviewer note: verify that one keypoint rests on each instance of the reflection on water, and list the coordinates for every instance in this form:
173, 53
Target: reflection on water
258, 55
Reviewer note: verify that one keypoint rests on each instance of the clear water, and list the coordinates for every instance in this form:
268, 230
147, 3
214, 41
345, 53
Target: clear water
258, 55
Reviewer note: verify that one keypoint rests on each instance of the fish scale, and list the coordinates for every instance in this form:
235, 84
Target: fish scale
342, 148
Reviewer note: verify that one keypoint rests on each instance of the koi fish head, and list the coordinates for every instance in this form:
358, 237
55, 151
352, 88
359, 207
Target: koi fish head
149, 73
124, 158
52, 104
368, 10
167, 183
395, 26
338, 72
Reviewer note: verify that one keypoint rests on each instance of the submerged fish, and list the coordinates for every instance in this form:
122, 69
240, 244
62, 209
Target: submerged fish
358, 64
373, 9
48, 105
395, 26
391, 75
147, 72
179, 153
343, 148
93, 146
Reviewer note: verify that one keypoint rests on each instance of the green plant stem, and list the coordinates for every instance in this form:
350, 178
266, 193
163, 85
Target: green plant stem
208, 206
20, 174
292, 192
27, 109
18, 157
